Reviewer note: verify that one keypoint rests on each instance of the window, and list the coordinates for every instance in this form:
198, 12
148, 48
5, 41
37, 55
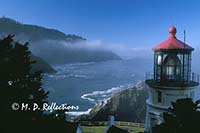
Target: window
159, 96
172, 67
159, 59
192, 94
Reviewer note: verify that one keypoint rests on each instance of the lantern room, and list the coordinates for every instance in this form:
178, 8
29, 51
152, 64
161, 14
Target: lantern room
172, 62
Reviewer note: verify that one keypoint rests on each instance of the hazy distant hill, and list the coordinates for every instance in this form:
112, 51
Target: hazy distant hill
127, 105
41, 65
73, 55
54, 46
33, 32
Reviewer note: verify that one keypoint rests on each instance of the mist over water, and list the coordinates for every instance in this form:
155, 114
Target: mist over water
61, 52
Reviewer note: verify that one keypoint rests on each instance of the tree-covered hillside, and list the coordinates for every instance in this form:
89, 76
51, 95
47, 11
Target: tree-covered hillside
33, 32
127, 105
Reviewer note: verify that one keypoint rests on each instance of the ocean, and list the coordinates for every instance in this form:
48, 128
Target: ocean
86, 84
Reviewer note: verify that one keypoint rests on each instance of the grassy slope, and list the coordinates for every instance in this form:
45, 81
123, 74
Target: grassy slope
101, 129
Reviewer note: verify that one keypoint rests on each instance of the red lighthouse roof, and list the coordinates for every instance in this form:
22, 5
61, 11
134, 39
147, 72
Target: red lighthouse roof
172, 43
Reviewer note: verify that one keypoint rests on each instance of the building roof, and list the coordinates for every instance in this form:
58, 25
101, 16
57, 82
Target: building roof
71, 126
172, 43
114, 129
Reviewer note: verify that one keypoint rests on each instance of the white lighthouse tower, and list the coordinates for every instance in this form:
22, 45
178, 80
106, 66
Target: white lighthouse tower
172, 78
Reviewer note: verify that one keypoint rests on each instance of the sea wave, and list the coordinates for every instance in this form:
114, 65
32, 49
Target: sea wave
63, 76
97, 96
74, 64
77, 113
71, 71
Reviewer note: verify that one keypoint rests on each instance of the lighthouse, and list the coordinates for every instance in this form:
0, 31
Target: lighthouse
171, 79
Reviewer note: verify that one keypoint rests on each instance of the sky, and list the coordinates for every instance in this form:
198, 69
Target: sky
131, 23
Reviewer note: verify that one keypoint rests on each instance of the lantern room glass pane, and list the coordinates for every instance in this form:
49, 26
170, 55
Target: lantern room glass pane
159, 59
172, 67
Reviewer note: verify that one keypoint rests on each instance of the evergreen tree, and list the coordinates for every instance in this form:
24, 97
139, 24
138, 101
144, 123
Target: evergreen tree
182, 117
19, 87
18, 84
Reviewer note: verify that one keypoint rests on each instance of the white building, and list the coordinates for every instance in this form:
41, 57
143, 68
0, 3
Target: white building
112, 128
172, 78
